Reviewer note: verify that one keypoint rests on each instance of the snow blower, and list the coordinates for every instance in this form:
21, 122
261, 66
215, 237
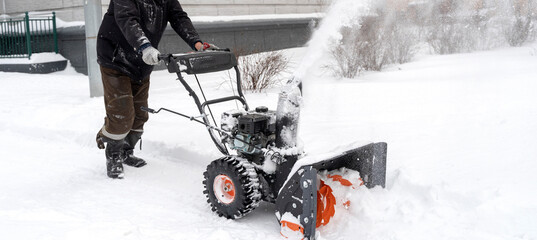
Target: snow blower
262, 161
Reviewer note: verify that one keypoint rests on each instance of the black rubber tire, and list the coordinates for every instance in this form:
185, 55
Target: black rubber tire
246, 182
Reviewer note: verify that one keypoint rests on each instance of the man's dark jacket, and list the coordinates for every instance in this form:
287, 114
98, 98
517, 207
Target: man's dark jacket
129, 24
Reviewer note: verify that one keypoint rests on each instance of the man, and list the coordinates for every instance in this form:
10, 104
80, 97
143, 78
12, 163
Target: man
127, 50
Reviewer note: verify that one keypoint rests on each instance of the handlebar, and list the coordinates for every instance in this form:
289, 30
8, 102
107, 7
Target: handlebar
165, 56
199, 62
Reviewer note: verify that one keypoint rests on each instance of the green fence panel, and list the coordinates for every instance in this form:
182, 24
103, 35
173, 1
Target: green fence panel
23, 37
10, 38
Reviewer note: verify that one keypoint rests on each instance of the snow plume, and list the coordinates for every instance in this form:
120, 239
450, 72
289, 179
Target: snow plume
342, 13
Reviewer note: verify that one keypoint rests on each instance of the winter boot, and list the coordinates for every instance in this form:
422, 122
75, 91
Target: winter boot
114, 158
99, 139
130, 141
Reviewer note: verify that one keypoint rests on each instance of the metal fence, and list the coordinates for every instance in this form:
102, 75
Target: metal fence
20, 38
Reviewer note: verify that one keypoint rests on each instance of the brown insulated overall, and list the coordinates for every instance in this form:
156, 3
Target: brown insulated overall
123, 99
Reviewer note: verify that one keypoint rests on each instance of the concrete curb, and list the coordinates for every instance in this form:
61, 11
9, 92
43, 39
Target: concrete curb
46, 67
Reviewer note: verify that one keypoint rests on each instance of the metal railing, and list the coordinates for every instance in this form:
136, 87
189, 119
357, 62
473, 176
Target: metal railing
20, 38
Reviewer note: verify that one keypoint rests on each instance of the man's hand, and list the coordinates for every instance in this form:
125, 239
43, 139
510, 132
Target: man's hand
206, 46
199, 46
150, 55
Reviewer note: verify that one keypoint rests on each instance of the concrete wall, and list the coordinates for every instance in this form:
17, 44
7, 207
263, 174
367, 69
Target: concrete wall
73, 10
250, 35
251, 7
68, 10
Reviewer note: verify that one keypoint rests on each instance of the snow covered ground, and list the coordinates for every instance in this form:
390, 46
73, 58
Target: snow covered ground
461, 133
460, 129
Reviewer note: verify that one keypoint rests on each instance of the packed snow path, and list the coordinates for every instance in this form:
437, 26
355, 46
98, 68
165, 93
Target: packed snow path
461, 133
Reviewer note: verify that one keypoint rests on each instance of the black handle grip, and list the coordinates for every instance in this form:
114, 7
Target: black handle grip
164, 56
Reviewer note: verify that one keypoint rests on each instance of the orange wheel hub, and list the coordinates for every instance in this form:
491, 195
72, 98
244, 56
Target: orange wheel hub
224, 189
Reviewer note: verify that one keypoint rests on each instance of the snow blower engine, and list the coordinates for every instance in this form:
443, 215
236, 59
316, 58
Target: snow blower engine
262, 160
251, 132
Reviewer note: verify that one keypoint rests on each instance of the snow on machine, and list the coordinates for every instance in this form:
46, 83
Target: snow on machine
262, 160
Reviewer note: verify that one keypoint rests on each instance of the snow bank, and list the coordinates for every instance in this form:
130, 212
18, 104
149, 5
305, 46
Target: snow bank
63, 24
34, 59
208, 19
255, 17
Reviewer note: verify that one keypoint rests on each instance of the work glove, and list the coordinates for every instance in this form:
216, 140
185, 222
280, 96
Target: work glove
150, 56
208, 47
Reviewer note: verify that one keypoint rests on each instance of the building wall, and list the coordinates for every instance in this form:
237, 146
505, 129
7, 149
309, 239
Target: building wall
244, 36
73, 10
